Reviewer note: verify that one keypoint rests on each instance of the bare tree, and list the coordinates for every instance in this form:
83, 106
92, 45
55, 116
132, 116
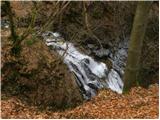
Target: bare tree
12, 26
135, 45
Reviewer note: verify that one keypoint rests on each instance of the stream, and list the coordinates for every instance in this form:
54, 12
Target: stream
90, 74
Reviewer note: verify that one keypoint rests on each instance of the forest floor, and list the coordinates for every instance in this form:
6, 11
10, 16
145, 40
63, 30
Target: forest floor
138, 103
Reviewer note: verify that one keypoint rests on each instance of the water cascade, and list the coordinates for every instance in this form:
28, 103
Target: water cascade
90, 74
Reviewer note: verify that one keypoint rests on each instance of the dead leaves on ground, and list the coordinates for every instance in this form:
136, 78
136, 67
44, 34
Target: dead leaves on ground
138, 103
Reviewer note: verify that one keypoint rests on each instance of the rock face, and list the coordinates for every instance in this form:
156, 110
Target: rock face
42, 79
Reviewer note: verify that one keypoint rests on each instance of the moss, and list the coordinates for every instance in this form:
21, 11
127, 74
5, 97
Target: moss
30, 42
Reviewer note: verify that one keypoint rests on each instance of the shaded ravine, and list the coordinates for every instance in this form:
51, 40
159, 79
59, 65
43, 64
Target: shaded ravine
90, 74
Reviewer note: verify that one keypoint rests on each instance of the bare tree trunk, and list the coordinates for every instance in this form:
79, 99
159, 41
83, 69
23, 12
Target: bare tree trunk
15, 51
12, 26
135, 45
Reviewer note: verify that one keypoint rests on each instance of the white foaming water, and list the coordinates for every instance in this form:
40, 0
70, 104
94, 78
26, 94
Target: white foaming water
90, 75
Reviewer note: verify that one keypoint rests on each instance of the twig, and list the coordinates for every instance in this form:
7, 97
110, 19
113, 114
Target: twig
87, 26
30, 28
51, 20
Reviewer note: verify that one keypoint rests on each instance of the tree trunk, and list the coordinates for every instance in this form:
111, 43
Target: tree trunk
15, 51
12, 26
135, 45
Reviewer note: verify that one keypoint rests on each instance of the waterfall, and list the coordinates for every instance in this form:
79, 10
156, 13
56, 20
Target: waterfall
90, 75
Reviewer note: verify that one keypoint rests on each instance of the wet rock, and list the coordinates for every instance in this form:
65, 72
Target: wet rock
91, 46
102, 52
90, 74
4, 23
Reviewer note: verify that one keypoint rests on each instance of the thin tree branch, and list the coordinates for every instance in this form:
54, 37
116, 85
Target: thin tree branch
91, 34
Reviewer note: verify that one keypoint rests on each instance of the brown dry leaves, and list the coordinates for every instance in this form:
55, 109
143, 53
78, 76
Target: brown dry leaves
138, 103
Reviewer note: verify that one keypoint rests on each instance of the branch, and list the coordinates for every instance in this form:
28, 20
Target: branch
90, 33
51, 20
31, 25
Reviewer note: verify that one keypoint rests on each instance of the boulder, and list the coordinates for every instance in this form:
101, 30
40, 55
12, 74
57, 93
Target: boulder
43, 79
